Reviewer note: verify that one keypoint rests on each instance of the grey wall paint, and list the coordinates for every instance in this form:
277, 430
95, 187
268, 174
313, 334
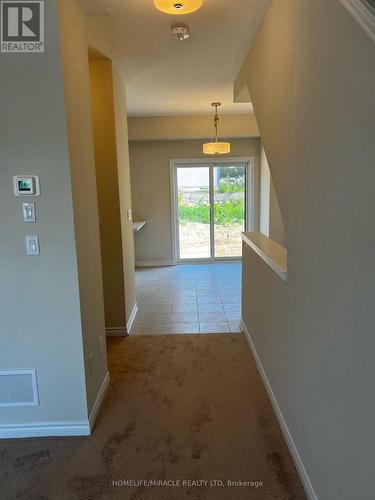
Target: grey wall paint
264, 194
74, 53
150, 179
311, 75
125, 194
271, 221
108, 191
39, 297
277, 229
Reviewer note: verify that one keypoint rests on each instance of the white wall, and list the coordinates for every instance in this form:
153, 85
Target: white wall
150, 179
40, 325
52, 314
159, 128
311, 75
276, 229
270, 221
265, 194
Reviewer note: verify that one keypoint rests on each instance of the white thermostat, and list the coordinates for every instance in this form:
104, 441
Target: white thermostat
26, 185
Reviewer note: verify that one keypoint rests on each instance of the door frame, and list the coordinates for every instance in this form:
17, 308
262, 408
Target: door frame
252, 199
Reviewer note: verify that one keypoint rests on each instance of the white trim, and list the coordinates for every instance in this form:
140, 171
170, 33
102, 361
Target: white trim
51, 429
362, 15
222, 260
130, 323
252, 188
210, 161
284, 428
115, 331
264, 194
252, 195
34, 383
122, 331
212, 210
137, 226
273, 254
45, 429
174, 225
99, 400
154, 263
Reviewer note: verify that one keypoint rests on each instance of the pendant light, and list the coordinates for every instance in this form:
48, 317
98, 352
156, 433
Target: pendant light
216, 147
178, 8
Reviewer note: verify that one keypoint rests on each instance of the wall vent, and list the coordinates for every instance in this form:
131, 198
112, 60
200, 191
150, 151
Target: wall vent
18, 388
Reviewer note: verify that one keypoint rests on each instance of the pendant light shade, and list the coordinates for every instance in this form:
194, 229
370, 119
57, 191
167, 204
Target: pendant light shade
178, 8
216, 147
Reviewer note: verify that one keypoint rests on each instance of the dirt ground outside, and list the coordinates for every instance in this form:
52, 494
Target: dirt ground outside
196, 197
195, 240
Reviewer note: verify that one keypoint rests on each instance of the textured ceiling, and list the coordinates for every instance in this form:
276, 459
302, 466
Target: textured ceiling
167, 77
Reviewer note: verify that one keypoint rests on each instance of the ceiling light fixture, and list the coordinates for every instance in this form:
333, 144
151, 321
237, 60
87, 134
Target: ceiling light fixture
216, 147
178, 8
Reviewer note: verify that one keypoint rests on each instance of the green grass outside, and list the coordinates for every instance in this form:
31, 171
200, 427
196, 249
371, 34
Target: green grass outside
228, 187
226, 214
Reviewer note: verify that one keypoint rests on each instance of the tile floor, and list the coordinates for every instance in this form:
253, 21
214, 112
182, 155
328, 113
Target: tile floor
204, 298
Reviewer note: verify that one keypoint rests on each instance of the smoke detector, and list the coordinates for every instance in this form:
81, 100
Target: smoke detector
180, 32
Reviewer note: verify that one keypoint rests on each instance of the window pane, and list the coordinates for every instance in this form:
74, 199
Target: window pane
194, 212
229, 209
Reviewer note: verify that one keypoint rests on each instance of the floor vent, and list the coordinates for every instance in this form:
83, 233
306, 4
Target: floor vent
18, 388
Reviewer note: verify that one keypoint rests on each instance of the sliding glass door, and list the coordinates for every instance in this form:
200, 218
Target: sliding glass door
211, 210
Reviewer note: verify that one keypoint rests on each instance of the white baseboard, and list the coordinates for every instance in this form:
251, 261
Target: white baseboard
130, 323
51, 429
45, 429
115, 331
99, 400
123, 331
284, 428
154, 263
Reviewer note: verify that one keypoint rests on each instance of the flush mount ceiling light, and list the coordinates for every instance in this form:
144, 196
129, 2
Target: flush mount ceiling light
216, 147
177, 8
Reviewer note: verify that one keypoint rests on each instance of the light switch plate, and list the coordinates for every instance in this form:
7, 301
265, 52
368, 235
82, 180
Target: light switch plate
28, 212
32, 245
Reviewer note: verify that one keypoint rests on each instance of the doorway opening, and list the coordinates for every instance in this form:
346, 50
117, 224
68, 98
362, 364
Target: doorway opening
212, 203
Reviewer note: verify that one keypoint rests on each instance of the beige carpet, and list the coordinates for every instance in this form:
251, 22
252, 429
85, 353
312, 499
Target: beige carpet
179, 408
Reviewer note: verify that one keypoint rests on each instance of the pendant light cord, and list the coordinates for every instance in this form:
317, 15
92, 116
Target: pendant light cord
215, 147
217, 119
